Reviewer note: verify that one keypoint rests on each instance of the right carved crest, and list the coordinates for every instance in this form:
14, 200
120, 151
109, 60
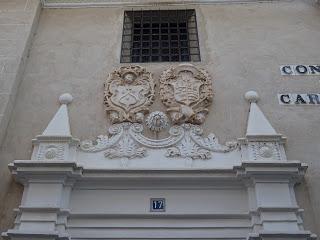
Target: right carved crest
186, 91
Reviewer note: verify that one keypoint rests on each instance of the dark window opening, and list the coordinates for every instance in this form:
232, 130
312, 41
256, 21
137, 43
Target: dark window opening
160, 36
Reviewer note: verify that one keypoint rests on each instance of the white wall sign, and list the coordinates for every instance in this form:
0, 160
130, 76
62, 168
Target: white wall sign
300, 70
299, 99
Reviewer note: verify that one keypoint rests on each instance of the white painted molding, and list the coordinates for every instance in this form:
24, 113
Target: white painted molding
29, 170
269, 235
59, 125
275, 178
289, 171
136, 3
43, 235
258, 124
73, 191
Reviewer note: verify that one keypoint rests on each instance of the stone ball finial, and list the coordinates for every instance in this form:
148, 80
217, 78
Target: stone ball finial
251, 96
65, 98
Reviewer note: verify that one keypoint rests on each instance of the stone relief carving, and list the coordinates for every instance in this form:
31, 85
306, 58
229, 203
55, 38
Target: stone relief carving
265, 150
51, 152
126, 147
157, 121
187, 92
126, 140
129, 91
195, 146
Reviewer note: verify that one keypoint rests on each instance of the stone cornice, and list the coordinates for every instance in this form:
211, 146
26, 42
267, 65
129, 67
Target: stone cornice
55, 171
136, 3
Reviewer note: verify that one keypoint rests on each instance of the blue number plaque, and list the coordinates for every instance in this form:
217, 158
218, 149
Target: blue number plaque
157, 204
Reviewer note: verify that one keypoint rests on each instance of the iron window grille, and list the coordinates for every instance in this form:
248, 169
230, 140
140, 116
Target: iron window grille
160, 36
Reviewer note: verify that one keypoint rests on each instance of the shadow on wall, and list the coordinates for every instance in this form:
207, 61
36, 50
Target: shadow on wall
11, 200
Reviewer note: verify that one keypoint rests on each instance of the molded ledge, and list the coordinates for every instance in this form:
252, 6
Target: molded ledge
300, 235
292, 171
135, 3
24, 235
58, 170
25, 170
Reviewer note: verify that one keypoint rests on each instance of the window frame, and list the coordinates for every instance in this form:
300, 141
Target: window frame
169, 44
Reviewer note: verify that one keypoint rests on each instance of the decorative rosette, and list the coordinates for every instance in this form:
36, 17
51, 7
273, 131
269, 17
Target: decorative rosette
156, 121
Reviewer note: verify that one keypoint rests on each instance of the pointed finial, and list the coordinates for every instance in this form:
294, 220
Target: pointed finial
59, 125
258, 124
65, 98
252, 96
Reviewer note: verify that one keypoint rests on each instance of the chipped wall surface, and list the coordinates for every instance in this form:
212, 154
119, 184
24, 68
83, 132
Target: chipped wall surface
242, 47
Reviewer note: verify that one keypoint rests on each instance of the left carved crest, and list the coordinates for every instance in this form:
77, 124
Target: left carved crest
129, 91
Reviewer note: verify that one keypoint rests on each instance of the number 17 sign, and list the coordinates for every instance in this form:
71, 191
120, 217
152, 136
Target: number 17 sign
157, 205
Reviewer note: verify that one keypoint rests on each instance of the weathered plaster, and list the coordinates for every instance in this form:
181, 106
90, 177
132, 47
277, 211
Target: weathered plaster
18, 21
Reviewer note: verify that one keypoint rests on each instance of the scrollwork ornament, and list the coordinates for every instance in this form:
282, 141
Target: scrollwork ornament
129, 91
126, 140
195, 146
103, 142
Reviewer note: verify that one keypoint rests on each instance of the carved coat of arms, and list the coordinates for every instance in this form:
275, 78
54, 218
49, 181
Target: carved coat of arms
186, 91
129, 91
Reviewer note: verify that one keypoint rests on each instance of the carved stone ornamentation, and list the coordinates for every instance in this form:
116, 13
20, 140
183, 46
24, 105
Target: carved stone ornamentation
51, 152
129, 91
156, 121
126, 146
186, 91
265, 150
195, 146
126, 140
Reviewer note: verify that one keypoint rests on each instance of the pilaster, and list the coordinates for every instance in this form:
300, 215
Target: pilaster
48, 179
270, 179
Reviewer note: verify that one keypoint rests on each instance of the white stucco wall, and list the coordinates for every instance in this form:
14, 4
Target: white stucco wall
242, 47
18, 22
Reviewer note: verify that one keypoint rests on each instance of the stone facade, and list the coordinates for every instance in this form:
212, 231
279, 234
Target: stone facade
18, 23
242, 47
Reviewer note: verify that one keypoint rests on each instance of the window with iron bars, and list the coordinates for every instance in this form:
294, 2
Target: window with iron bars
160, 36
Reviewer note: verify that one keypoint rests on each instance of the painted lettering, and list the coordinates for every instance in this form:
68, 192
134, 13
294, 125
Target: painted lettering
301, 69
300, 100
313, 98
305, 70
315, 69
285, 98
287, 70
